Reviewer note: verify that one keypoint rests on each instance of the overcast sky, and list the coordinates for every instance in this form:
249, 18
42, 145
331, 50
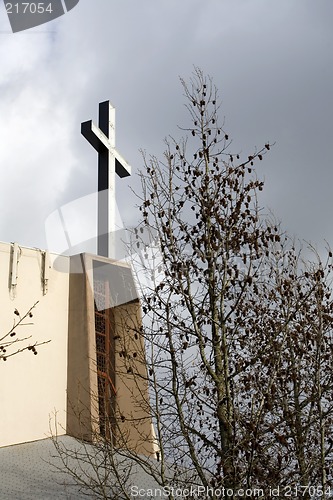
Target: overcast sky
271, 60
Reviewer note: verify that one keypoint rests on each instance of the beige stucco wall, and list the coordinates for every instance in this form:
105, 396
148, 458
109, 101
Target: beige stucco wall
133, 429
61, 379
33, 387
82, 411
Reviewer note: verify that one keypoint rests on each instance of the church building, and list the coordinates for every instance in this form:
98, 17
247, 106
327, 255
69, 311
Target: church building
88, 378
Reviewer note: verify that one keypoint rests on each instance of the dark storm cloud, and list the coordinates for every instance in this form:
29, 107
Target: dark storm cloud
270, 60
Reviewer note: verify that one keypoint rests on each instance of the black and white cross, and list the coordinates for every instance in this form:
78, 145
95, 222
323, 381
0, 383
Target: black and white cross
110, 162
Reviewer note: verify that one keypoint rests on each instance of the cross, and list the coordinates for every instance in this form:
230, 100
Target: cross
110, 162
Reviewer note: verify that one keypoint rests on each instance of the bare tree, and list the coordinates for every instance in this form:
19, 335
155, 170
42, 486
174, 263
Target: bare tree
237, 327
11, 343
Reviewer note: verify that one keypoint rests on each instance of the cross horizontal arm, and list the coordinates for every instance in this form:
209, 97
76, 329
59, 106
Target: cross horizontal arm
95, 136
123, 169
101, 143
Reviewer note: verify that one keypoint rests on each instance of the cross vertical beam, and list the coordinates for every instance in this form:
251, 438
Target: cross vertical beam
110, 163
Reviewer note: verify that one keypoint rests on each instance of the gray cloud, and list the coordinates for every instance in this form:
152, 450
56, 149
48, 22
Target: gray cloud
270, 60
